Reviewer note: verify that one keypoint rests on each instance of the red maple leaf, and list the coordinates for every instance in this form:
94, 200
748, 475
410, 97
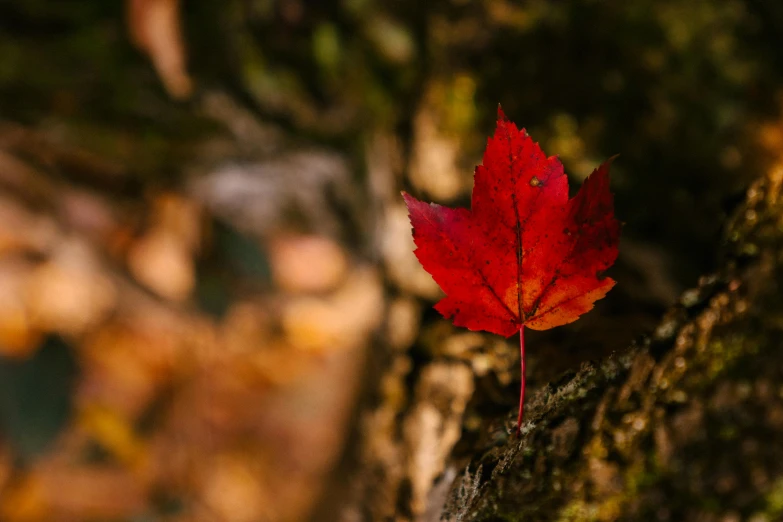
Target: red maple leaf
524, 254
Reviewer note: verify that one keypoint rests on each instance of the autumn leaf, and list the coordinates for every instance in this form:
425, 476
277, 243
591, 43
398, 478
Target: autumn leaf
524, 254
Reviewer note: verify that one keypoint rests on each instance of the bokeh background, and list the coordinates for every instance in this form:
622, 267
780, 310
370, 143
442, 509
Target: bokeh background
209, 305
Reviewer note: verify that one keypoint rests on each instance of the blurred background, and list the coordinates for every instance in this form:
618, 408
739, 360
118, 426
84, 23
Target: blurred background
209, 305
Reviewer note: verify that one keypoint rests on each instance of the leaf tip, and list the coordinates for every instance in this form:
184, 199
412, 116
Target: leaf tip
608, 162
501, 114
410, 201
602, 171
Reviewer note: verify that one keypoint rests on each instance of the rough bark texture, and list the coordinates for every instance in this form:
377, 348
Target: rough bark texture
684, 425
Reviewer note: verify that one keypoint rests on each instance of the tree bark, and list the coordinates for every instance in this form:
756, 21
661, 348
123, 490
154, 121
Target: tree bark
684, 425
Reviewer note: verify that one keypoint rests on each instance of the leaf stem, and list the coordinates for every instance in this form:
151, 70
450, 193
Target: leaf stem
522, 386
